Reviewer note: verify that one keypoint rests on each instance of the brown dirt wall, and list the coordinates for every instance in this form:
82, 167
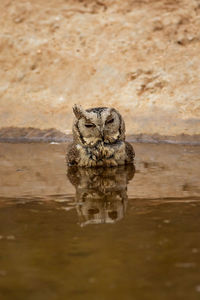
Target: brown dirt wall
142, 57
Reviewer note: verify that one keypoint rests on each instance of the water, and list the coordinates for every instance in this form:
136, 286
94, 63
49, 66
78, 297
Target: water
121, 233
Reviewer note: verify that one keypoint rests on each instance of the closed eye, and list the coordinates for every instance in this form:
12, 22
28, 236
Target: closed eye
89, 125
110, 121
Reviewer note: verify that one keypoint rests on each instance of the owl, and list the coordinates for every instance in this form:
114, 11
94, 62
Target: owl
98, 139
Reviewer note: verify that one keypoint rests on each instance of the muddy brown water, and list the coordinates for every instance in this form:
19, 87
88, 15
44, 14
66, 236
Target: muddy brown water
118, 233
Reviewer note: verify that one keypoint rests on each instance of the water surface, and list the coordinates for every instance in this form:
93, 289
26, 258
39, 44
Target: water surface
118, 233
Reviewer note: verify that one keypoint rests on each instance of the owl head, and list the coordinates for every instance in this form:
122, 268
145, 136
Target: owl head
101, 124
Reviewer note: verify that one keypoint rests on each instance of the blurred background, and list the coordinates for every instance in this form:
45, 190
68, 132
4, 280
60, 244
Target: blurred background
139, 56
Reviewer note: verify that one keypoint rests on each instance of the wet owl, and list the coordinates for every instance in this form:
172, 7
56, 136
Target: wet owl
99, 139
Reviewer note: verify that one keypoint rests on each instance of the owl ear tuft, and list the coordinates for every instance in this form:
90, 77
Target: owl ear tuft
78, 111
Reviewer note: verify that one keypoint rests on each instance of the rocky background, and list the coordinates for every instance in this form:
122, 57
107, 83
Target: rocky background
140, 56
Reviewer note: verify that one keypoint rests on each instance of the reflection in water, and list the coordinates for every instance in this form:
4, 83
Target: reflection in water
153, 253
101, 193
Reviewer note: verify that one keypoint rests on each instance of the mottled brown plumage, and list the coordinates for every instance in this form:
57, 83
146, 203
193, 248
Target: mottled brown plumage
99, 139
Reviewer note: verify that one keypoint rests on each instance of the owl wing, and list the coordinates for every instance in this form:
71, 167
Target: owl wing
72, 155
130, 153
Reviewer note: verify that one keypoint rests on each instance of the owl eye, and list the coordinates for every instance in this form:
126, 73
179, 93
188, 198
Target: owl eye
89, 125
110, 121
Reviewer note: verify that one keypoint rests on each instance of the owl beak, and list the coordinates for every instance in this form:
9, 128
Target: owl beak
101, 131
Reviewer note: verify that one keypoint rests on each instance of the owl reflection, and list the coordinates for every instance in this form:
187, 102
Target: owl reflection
99, 139
101, 193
